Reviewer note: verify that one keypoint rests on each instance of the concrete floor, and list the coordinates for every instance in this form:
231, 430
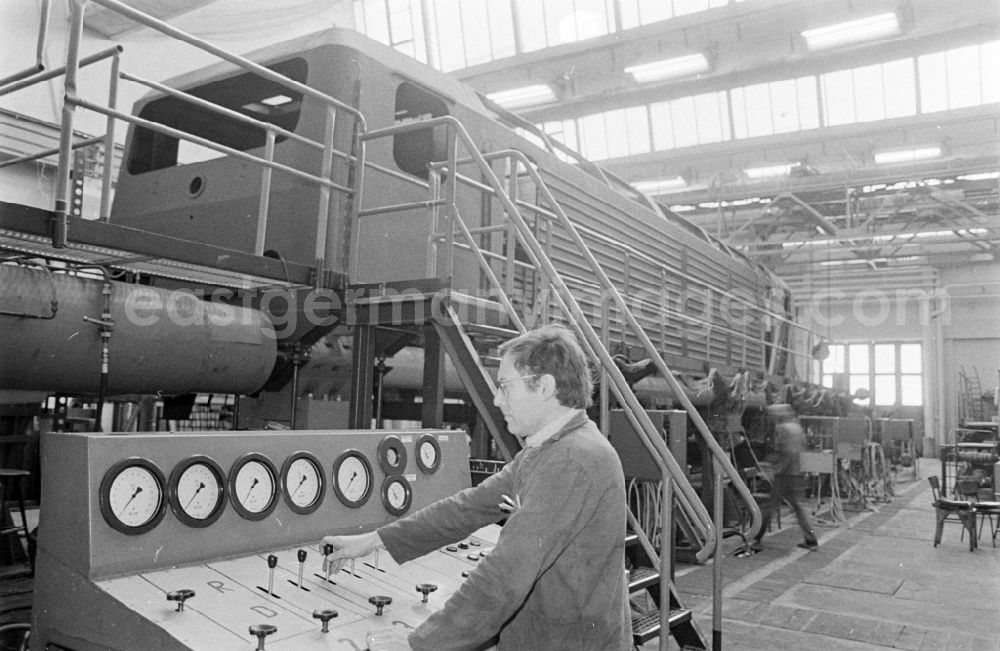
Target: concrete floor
876, 582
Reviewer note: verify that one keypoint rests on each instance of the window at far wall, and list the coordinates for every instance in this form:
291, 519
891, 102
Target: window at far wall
889, 371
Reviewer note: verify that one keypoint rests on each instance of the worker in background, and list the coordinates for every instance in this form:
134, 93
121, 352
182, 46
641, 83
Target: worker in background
786, 474
556, 579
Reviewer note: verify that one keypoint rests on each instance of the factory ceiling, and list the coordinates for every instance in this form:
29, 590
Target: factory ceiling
837, 206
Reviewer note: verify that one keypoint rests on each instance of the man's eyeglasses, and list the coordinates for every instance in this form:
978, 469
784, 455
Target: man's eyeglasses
504, 385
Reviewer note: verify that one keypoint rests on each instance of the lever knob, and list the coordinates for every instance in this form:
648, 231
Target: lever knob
380, 602
180, 596
327, 549
260, 631
325, 616
272, 562
302, 556
425, 589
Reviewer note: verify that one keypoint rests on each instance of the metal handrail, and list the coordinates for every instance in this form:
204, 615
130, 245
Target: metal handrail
625, 248
589, 338
74, 62
648, 346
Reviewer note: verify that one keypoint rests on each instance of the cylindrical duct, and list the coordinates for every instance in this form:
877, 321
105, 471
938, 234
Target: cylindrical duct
168, 342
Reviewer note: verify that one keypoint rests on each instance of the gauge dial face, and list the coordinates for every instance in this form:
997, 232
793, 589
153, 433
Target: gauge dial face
253, 486
392, 455
352, 478
197, 491
132, 496
396, 495
428, 454
302, 482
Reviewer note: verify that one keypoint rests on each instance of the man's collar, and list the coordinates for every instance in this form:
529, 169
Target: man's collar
552, 428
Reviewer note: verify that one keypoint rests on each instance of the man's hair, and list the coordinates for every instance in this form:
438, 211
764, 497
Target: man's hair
554, 350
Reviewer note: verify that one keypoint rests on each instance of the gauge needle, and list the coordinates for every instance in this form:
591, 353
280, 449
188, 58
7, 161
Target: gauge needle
301, 481
352, 480
201, 485
138, 489
252, 486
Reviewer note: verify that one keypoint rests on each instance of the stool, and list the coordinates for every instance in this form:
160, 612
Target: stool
17, 477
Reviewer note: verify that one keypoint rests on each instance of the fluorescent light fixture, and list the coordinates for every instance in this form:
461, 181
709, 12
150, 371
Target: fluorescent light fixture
682, 207
660, 186
524, 96
277, 100
682, 66
770, 171
852, 31
907, 155
983, 176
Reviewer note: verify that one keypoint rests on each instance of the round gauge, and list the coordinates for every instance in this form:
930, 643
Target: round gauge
396, 494
302, 482
352, 478
253, 486
392, 456
132, 496
197, 491
428, 453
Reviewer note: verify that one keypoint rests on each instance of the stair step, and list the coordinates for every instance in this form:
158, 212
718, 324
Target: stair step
484, 331
640, 578
631, 538
645, 627
489, 362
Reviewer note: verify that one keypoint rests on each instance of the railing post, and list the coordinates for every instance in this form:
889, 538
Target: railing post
323, 215
717, 557
77, 10
433, 232
511, 171
666, 556
603, 396
265, 194
109, 140
451, 185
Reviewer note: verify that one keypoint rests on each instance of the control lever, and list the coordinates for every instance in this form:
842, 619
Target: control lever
180, 596
302, 563
425, 589
272, 562
380, 602
260, 631
325, 616
327, 550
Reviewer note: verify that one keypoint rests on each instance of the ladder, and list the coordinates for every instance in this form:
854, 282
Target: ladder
651, 570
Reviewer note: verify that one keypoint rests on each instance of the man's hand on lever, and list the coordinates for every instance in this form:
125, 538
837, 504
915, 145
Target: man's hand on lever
343, 548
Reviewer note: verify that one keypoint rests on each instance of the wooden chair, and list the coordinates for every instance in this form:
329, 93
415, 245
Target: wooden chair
959, 511
969, 488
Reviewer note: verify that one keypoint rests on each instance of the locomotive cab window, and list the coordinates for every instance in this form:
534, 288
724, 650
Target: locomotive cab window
257, 98
414, 150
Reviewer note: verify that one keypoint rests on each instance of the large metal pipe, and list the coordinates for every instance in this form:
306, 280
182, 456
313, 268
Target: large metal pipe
168, 342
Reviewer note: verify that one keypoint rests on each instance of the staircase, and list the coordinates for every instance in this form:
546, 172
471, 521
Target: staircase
467, 327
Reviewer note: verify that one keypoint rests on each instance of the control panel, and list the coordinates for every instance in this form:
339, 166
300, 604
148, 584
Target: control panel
211, 540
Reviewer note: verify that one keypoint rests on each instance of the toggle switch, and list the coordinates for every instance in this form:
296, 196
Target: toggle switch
260, 631
463, 545
302, 564
272, 562
180, 596
325, 616
425, 589
379, 601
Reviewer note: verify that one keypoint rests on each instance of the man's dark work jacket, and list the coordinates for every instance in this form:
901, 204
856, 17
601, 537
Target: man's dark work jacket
556, 579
